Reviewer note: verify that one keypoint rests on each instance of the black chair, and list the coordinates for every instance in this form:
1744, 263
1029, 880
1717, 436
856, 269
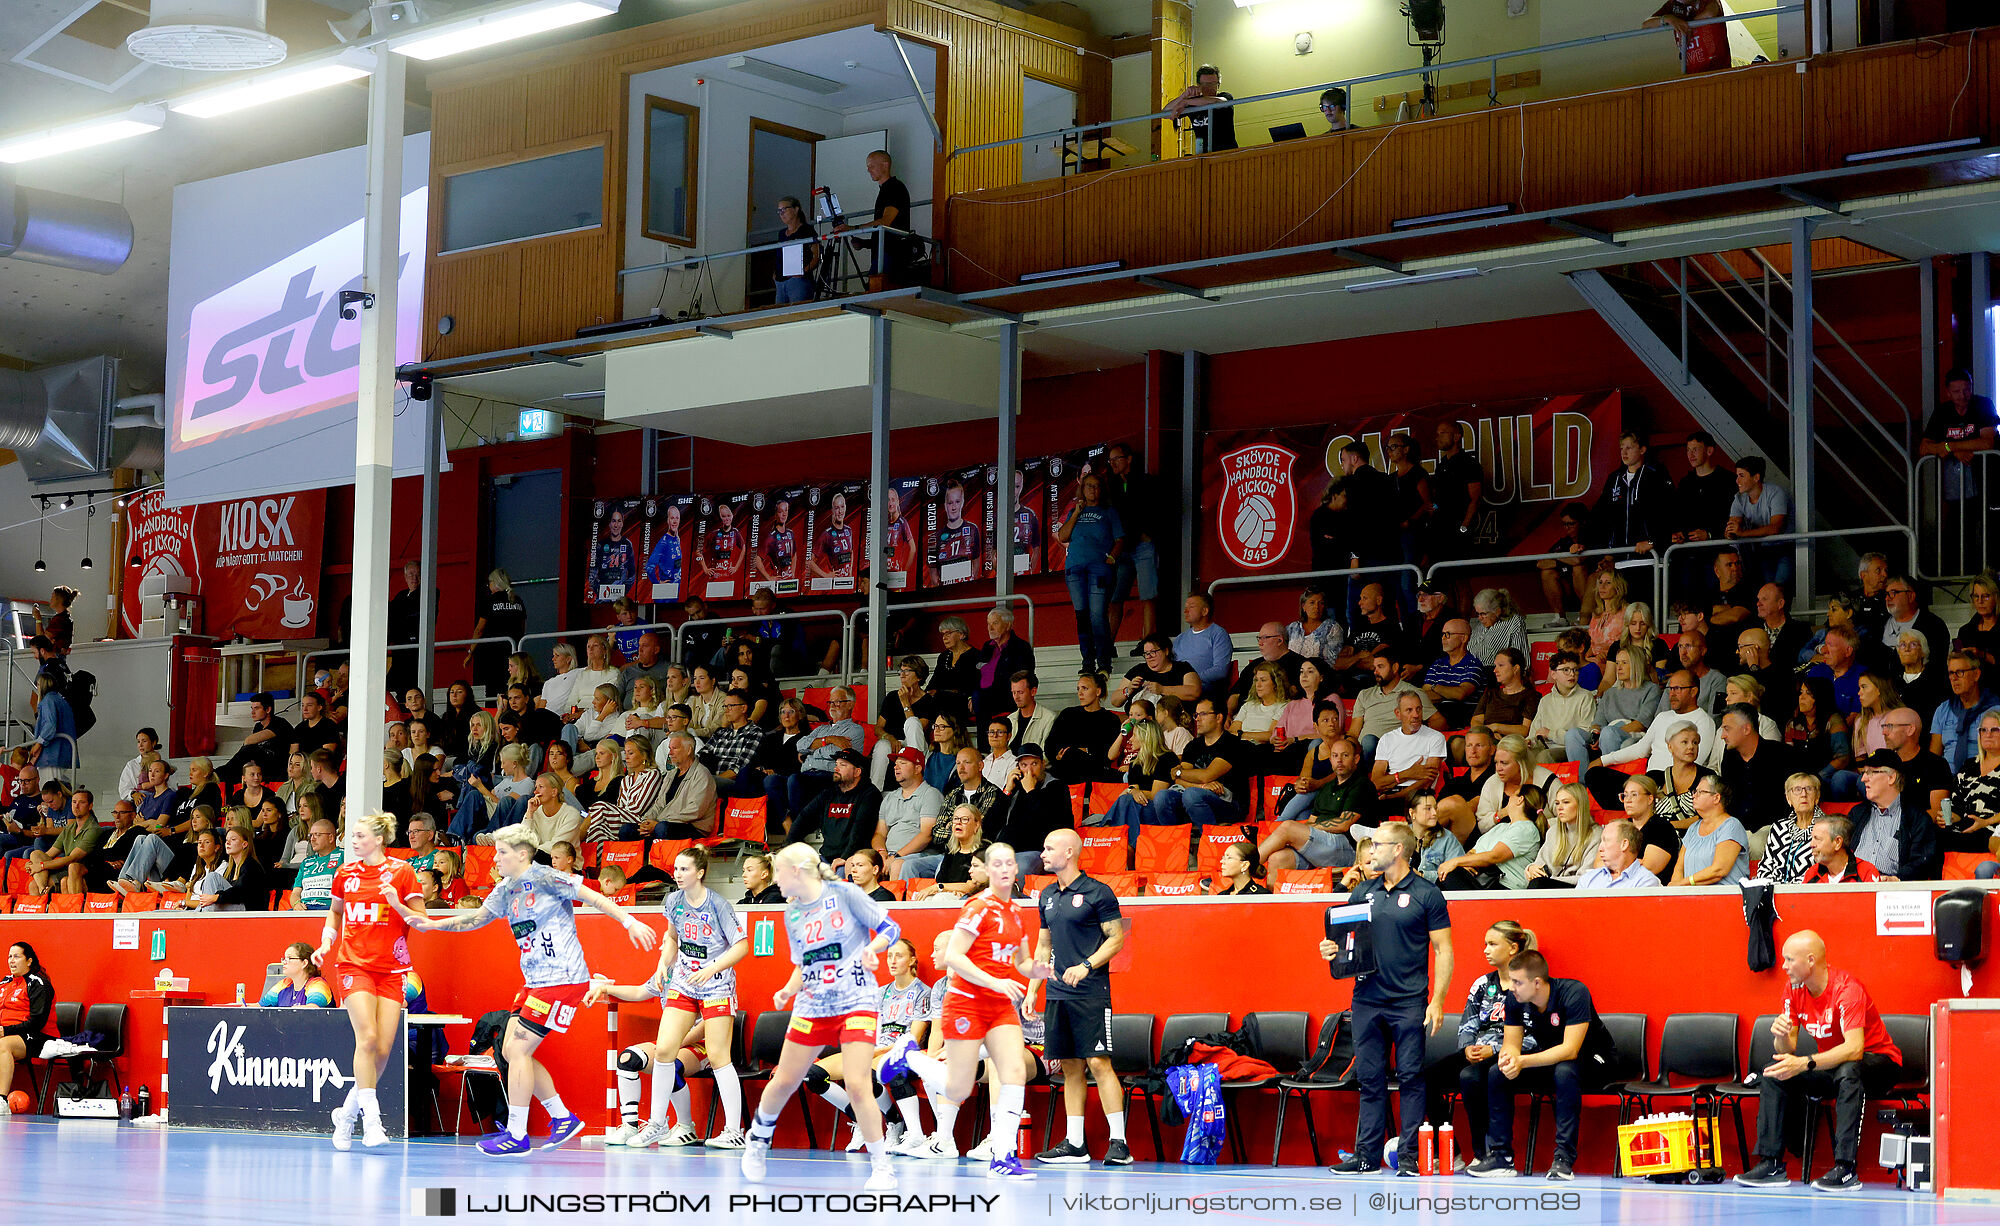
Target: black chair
99, 1069
1762, 1047
1698, 1048
1281, 1043
737, 1058
1179, 1028
1131, 1055
67, 1016
767, 1044
1911, 1033
1628, 1064
1304, 1088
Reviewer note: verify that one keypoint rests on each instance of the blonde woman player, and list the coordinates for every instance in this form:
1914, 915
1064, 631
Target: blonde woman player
365, 949
906, 1005
696, 986
538, 904
990, 967
837, 934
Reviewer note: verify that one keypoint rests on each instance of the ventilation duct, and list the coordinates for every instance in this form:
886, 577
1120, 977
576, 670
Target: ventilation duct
207, 36
64, 231
57, 420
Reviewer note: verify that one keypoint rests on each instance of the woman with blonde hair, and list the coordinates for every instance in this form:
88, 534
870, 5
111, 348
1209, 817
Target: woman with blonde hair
1515, 766
1625, 710
1607, 616
1499, 860
1569, 849
521, 671
1640, 636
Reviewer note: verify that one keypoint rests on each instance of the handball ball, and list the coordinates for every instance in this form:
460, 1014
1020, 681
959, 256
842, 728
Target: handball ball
19, 1102
1256, 522
1389, 1153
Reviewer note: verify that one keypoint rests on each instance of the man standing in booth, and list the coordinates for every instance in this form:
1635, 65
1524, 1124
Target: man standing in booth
1397, 1002
1854, 1059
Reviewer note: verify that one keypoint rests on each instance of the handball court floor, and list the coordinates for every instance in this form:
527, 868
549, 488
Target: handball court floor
84, 1172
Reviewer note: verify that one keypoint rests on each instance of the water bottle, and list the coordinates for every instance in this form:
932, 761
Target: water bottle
125, 1103
1447, 1150
145, 1102
1024, 1141
1426, 1149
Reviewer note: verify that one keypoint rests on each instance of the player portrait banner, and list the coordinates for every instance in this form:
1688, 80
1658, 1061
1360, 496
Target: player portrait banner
1065, 484
836, 522
777, 540
902, 518
159, 542
1031, 498
671, 521
617, 546
273, 1070
1535, 456
258, 564
722, 549
958, 526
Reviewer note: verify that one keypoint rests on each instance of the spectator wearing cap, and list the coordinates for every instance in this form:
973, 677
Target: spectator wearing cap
1833, 862
1272, 648
850, 811
1031, 805
911, 808
1434, 612
1894, 834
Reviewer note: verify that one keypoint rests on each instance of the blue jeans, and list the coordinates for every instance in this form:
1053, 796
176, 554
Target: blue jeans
1368, 747
1576, 745
925, 865
148, 860
1138, 573
1174, 806
22, 851
1614, 737
1090, 597
472, 820
1297, 809
794, 289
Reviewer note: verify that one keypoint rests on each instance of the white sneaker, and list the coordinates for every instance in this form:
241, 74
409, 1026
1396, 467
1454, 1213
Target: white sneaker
372, 1132
5, 1109
621, 1134
982, 1152
650, 1135
729, 1138
911, 1145
755, 1153
892, 1136
940, 1149
682, 1134
343, 1128
854, 1143
882, 1178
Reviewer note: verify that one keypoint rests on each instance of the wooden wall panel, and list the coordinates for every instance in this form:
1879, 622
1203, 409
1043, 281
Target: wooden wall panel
999, 235
1678, 136
1297, 189
1883, 97
1415, 169
570, 102
1150, 215
567, 283
476, 122
481, 291
1582, 150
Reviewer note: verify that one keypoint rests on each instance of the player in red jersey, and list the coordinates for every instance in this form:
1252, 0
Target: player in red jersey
990, 964
721, 554
366, 951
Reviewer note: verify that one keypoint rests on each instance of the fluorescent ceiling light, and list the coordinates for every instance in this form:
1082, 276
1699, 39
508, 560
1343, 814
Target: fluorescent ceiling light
782, 75
436, 39
273, 86
1453, 274
102, 130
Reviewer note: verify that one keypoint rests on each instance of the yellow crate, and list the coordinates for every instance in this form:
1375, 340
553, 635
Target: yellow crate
1661, 1147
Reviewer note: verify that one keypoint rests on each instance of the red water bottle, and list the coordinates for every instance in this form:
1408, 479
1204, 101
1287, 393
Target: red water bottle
1447, 1150
1024, 1143
1426, 1149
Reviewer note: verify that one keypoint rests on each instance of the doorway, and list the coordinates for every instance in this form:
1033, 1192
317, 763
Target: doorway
781, 164
523, 534
1044, 108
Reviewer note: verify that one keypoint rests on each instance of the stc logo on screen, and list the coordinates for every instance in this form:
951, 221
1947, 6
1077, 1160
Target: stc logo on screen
273, 347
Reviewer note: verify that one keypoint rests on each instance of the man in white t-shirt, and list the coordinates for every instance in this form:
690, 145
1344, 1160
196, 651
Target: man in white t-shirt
1409, 758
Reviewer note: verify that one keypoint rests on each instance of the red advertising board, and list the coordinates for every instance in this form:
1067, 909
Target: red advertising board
255, 562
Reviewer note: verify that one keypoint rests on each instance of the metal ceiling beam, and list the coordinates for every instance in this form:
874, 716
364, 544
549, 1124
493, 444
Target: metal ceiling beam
1577, 228
1173, 287
1826, 204
1369, 258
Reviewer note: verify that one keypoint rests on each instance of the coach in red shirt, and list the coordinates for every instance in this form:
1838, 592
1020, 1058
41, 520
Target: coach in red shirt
1854, 1059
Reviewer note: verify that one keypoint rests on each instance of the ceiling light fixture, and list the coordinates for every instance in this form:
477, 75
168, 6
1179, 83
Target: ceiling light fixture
752, 66
453, 36
1420, 279
41, 529
273, 86
69, 137
90, 513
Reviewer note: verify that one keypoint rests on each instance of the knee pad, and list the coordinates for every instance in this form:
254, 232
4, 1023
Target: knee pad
904, 1086
816, 1079
680, 1077
632, 1060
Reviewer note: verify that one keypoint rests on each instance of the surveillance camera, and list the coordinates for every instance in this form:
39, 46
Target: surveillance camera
348, 299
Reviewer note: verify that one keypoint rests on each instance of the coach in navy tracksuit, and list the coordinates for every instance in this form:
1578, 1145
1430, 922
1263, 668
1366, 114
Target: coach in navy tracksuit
1400, 1001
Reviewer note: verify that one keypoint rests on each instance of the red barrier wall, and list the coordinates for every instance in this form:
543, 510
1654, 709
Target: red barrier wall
1656, 954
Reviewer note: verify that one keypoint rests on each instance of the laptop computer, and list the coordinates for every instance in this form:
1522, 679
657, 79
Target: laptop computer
1288, 131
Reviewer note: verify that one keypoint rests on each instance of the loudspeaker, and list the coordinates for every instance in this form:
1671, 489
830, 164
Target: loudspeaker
1958, 919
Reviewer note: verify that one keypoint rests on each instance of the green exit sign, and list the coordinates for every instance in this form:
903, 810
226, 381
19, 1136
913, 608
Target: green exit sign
538, 423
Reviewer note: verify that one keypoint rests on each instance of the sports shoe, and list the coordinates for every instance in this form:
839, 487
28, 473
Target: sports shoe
882, 1176
373, 1134
1562, 1170
680, 1135
1494, 1166
910, 1145
855, 1143
892, 1136
5, 1109
1117, 1154
728, 1138
1007, 1166
649, 1135
1064, 1154
897, 1062
623, 1133
755, 1153
564, 1129
344, 1121
940, 1148
982, 1151
504, 1145
1354, 1166
1768, 1173
1840, 1177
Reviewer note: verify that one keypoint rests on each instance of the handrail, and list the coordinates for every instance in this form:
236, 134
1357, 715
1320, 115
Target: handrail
1666, 568
1492, 60
680, 632
1966, 528
988, 600
1229, 581
428, 683
1909, 418
690, 261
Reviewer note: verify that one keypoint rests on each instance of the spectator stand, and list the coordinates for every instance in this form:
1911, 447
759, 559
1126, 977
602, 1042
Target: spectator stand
1299, 578
311, 658
1908, 534
541, 646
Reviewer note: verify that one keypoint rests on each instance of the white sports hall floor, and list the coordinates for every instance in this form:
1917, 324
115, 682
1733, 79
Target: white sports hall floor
86, 1173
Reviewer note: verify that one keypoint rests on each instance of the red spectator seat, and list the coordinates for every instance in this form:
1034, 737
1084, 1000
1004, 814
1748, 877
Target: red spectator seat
31, 904
1601, 816
1636, 766
286, 901
895, 887
479, 866
1671, 640
1106, 849
1568, 772
626, 855
1079, 802
743, 818
1214, 841
1161, 849
6, 903
1103, 796
1267, 790
66, 904
1539, 655
100, 904
662, 854
1124, 885
1839, 808
627, 897
916, 885
400, 853
1033, 885
141, 900
1302, 881
172, 900
17, 877
1173, 885
1963, 865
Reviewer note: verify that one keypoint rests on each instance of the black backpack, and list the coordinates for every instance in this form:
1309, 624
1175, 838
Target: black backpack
1333, 1059
80, 690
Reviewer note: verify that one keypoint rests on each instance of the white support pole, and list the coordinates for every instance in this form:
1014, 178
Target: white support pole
374, 434
1005, 461
427, 552
877, 638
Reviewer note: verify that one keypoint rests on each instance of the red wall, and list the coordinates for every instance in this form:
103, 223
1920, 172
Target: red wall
1656, 954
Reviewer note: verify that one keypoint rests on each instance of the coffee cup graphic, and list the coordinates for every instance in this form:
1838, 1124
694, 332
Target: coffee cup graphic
298, 609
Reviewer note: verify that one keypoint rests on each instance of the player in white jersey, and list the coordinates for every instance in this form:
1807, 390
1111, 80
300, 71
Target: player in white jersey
837, 934
537, 903
905, 1009
640, 1058
696, 984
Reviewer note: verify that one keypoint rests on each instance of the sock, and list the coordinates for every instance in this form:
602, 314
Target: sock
730, 1087
517, 1121
878, 1149
1008, 1118
947, 1118
837, 1095
1075, 1133
762, 1126
663, 1092
628, 1098
682, 1099
353, 1102
553, 1104
913, 1117
369, 1105
1116, 1121
995, 1106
